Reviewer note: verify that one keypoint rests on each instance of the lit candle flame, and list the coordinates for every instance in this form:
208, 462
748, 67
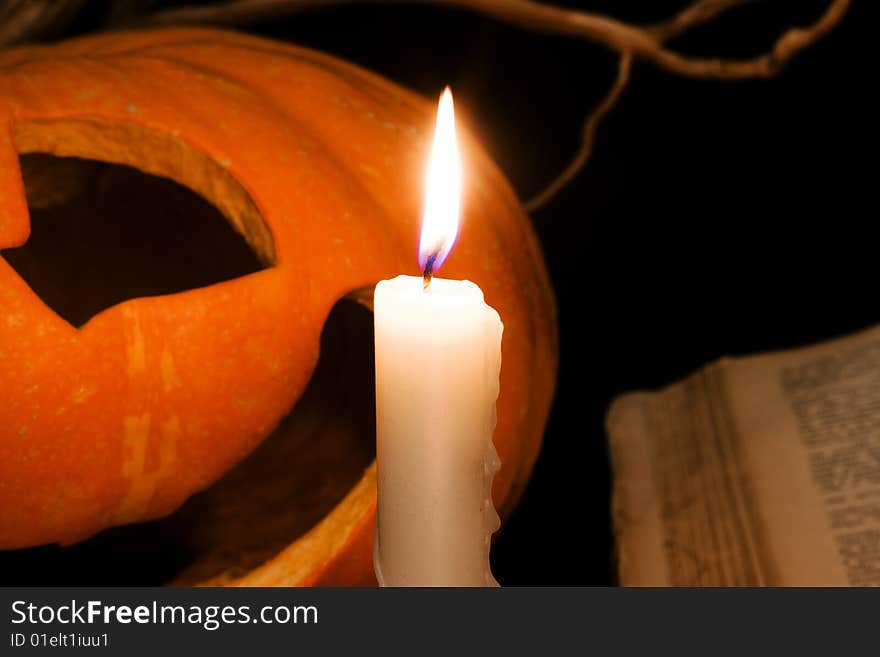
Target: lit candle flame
442, 191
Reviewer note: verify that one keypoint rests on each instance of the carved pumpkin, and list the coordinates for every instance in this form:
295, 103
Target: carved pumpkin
318, 165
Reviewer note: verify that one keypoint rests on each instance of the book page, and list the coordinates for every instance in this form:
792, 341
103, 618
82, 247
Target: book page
762, 470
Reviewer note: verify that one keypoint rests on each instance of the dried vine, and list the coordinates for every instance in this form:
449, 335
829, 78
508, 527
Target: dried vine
631, 41
645, 43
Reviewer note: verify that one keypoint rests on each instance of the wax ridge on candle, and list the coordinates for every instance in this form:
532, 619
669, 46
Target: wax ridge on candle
491, 461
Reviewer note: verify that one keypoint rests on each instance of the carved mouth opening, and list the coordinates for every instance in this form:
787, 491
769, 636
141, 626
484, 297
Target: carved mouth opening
103, 233
279, 492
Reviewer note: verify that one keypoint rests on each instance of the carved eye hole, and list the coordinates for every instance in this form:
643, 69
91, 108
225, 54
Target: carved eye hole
103, 233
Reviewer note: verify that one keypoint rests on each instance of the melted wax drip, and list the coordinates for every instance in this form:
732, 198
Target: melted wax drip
491, 462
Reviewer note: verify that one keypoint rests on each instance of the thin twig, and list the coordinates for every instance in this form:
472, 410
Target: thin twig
20, 19
699, 12
702, 11
631, 41
644, 42
588, 133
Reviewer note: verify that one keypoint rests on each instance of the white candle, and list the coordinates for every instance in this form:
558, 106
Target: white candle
438, 357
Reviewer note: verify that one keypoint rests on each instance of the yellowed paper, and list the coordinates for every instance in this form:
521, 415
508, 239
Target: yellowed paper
762, 470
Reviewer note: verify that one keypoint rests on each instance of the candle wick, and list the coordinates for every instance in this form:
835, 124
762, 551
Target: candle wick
428, 274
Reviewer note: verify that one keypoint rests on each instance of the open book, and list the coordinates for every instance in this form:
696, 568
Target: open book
762, 470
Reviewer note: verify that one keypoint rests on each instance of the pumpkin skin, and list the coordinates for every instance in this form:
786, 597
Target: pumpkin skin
319, 165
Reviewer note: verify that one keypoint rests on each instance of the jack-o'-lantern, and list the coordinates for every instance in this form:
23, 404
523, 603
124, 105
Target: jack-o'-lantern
124, 415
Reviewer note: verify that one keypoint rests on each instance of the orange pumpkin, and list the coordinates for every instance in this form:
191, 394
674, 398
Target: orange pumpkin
318, 165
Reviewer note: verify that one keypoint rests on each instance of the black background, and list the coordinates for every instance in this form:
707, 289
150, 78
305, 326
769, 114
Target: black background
714, 218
